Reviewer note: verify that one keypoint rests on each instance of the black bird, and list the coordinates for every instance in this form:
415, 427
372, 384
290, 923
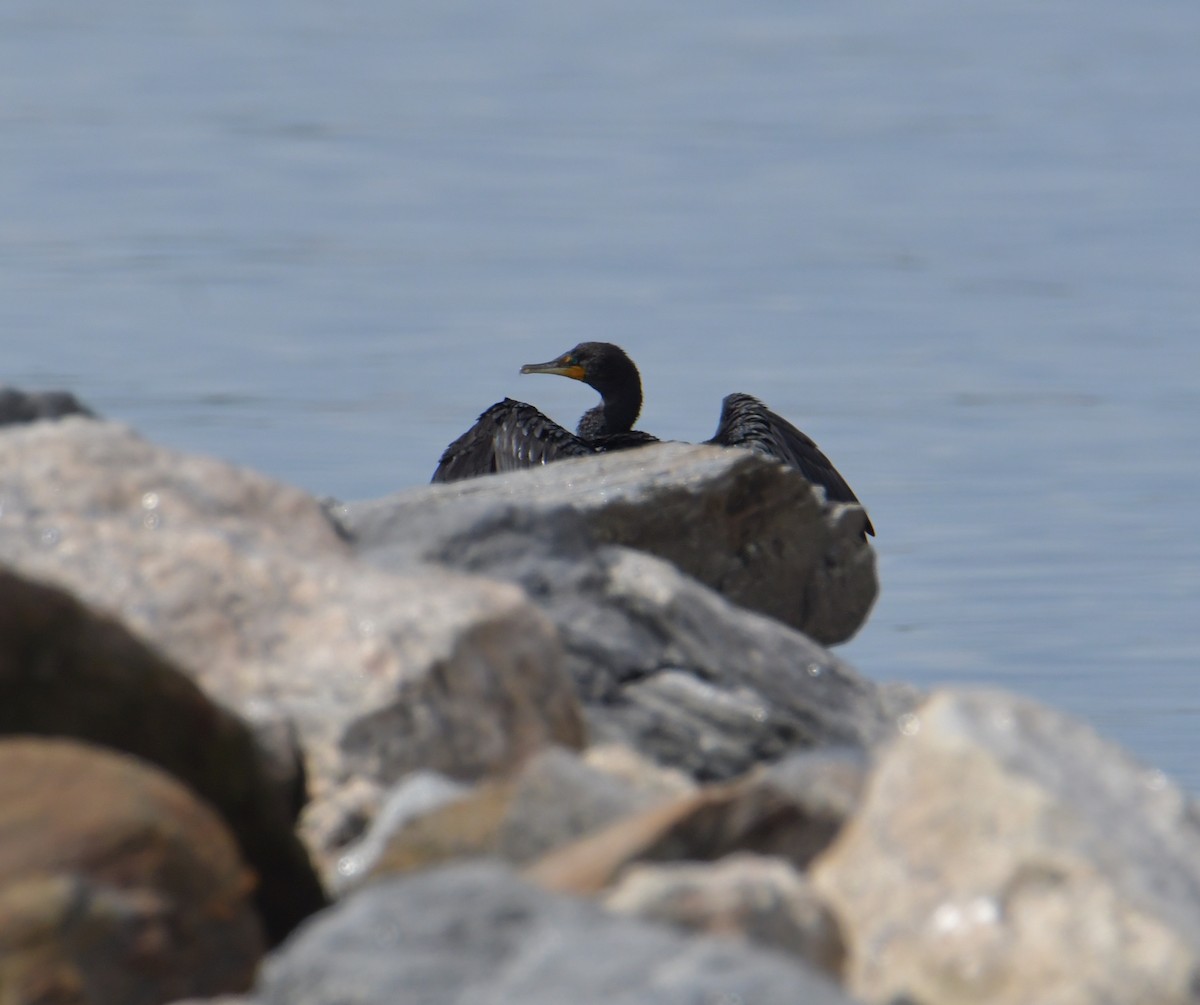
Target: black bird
512, 435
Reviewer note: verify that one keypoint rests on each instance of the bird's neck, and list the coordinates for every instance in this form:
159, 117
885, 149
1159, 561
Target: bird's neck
615, 414
592, 424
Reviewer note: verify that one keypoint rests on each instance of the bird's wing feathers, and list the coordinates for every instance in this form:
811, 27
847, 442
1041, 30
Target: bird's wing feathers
508, 436
526, 438
747, 422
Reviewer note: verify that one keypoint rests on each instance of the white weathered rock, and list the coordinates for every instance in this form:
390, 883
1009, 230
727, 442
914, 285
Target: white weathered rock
1005, 854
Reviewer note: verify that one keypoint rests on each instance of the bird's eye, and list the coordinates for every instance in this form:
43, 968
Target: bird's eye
568, 360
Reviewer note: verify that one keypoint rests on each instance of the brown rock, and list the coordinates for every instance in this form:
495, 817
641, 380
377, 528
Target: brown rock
116, 883
466, 827
65, 671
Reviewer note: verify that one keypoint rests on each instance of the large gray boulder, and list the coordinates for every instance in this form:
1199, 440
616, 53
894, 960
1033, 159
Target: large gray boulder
662, 662
246, 585
1006, 854
669, 667
752, 529
475, 933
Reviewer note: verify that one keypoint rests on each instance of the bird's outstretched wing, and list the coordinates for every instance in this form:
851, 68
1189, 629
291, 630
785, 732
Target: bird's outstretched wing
747, 422
508, 436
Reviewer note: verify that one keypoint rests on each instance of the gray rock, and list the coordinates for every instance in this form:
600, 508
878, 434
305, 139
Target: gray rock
222, 1000
662, 663
24, 406
245, 585
558, 797
754, 530
555, 798
475, 934
822, 787
762, 900
670, 668
791, 810
1004, 853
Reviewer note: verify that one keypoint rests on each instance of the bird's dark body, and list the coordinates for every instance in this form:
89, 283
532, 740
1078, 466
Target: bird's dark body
512, 435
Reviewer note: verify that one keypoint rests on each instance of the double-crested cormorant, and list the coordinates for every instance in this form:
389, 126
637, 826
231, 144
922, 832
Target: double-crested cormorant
512, 435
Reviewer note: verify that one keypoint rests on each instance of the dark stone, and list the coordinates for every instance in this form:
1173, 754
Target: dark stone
21, 406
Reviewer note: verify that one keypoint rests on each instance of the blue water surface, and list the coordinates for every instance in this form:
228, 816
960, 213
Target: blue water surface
958, 244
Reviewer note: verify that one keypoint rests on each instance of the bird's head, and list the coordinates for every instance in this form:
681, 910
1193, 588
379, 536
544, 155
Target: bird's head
601, 365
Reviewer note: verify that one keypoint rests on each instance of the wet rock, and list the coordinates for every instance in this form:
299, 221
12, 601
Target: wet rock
116, 883
1004, 853
475, 933
755, 531
762, 900
29, 406
250, 589
65, 671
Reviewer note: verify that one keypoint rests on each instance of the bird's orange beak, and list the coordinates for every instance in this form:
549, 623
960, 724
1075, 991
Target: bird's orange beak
556, 366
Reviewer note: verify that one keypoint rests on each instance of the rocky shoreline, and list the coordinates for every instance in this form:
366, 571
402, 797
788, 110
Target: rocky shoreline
568, 734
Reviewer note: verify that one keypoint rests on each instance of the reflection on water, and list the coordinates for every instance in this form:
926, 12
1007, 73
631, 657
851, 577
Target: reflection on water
956, 245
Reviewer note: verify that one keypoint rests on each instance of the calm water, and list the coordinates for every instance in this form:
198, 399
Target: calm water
958, 246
